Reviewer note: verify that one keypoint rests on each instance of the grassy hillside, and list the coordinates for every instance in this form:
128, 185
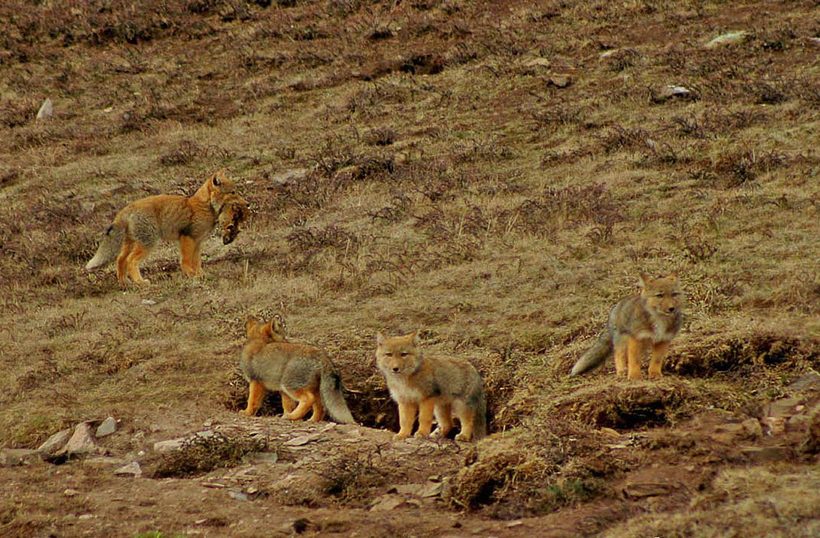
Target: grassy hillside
494, 174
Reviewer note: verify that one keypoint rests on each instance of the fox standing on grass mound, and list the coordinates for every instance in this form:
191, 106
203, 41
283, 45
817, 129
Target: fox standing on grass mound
647, 321
444, 386
302, 374
139, 225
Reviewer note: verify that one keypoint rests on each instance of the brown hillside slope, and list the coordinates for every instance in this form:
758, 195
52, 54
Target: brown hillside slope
494, 174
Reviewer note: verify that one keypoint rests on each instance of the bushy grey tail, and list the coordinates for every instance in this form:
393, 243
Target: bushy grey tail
330, 389
596, 355
108, 249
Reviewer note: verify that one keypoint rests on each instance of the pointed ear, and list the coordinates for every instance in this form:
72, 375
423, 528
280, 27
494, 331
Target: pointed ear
379, 339
644, 279
277, 324
673, 277
250, 325
267, 330
216, 180
415, 337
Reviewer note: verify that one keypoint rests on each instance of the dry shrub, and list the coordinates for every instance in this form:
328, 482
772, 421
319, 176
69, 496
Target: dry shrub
351, 477
742, 356
566, 207
201, 454
527, 474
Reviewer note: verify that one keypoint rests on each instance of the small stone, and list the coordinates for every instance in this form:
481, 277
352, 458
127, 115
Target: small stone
132, 469
54, 443
10, 457
559, 80
71, 492
238, 495
169, 445
46, 110
81, 442
107, 427
208, 423
516, 523
728, 38
609, 432
432, 489
149, 302
640, 490
85, 516
671, 91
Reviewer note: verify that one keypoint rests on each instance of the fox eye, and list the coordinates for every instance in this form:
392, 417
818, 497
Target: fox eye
659, 295
404, 353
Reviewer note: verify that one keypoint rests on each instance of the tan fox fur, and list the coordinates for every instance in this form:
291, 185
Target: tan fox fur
442, 386
141, 224
638, 324
304, 375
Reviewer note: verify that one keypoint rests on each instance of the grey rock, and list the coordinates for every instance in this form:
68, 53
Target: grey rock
81, 442
107, 427
671, 91
238, 495
132, 469
809, 381
385, 503
54, 443
639, 490
263, 457
169, 445
559, 80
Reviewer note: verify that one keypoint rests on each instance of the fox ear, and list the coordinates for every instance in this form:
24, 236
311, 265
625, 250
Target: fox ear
215, 179
415, 336
673, 277
267, 330
379, 338
250, 324
644, 279
277, 324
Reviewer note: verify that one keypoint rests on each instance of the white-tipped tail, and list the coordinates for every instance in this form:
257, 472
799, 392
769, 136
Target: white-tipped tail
107, 251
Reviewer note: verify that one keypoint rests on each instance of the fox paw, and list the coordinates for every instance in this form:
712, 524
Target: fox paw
421, 435
463, 437
401, 436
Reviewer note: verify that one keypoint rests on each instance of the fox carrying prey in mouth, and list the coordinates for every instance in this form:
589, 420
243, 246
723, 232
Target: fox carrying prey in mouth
141, 224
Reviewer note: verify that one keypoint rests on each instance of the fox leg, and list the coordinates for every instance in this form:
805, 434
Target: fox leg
196, 258
306, 399
138, 253
318, 410
444, 417
425, 417
288, 403
656, 361
122, 260
466, 417
187, 249
256, 392
407, 416
620, 356
635, 352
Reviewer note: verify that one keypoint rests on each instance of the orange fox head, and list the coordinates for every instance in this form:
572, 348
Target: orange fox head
662, 295
267, 331
398, 355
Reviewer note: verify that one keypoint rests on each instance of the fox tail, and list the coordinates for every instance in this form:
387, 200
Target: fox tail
330, 389
596, 355
109, 246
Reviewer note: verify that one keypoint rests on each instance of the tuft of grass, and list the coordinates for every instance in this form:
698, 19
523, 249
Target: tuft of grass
200, 454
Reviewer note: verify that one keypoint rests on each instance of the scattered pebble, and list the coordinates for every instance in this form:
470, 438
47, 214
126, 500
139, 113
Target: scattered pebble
107, 427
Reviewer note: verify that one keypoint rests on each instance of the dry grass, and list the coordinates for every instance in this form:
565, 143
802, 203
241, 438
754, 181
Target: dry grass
440, 182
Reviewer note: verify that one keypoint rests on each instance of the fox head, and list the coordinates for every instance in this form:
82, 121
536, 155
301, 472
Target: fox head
662, 295
398, 355
216, 187
267, 331
234, 211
